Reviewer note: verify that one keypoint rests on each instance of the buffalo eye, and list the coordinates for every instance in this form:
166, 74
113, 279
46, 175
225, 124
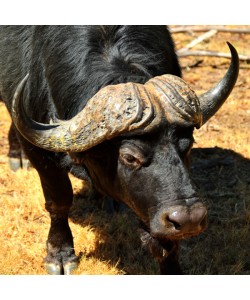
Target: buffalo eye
130, 158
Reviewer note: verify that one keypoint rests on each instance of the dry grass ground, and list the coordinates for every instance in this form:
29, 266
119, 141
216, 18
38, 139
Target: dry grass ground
110, 245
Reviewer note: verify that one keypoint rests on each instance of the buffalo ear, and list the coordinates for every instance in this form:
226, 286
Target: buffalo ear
212, 100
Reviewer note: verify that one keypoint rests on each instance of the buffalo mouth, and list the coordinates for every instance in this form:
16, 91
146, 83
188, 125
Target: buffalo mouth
179, 222
174, 235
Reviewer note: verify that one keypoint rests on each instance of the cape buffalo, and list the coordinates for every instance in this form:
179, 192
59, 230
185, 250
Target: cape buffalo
107, 103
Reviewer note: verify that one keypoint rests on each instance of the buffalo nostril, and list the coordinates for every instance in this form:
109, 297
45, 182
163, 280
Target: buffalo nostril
179, 221
187, 220
199, 216
177, 226
178, 218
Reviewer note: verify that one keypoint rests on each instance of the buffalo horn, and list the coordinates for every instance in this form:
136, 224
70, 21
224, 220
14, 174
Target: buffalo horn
213, 99
113, 110
178, 101
122, 108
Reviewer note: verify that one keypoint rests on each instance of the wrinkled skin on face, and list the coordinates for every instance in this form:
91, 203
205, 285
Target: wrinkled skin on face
148, 172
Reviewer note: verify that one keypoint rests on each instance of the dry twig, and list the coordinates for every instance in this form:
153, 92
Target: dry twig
184, 52
212, 31
179, 29
196, 41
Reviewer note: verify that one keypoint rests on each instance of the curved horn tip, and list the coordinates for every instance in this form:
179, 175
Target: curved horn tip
22, 82
213, 99
26, 76
18, 91
20, 86
234, 53
231, 47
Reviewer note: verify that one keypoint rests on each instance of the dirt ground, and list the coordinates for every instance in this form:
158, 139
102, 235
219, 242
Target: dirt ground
221, 170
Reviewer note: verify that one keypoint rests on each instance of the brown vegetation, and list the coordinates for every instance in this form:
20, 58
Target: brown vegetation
110, 245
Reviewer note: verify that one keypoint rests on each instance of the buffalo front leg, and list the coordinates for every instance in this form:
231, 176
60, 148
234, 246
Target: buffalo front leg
58, 193
61, 258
